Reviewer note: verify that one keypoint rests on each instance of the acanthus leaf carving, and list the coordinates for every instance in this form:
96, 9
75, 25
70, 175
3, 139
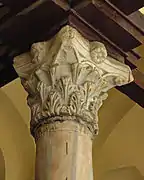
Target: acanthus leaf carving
70, 78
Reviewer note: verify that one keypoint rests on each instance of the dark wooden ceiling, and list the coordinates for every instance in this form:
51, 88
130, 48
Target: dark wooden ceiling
109, 21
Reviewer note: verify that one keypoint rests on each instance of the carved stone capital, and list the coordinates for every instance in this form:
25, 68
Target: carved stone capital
67, 78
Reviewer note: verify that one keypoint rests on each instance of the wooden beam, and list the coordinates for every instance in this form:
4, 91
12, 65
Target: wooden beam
137, 18
75, 2
16, 4
133, 91
28, 26
112, 24
13, 7
139, 78
128, 6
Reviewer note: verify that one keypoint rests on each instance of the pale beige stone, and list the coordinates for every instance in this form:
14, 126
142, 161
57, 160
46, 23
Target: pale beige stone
64, 153
67, 79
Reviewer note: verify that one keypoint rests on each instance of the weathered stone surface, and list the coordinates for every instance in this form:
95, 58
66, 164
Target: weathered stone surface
64, 153
68, 76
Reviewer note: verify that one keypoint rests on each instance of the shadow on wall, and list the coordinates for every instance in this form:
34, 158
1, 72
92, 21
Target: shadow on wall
2, 166
125, 173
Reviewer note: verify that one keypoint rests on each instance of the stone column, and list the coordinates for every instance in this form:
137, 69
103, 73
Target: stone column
67, 79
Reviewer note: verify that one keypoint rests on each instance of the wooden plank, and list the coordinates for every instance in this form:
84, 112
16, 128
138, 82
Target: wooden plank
29, 26
137, 18
17, 5
119, 18
127, 18
128, 6
133, 91
102, 17
13, 7
64, 4
75, 2
139, 78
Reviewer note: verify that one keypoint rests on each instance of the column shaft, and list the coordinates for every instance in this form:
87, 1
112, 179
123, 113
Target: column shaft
64, 152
